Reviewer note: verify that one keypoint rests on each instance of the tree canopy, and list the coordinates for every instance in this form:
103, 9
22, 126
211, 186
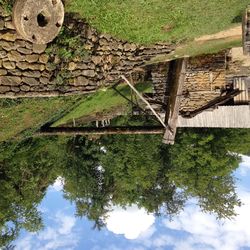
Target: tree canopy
120, 170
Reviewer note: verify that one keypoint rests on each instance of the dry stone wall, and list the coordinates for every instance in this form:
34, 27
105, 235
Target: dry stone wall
27, 70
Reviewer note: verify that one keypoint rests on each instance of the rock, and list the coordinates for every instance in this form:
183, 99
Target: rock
20, 43
44, 58
22, 65
39, 48
9, 36
37, 66
96, 59
44, 80
30, 73
9, 25
1, 24
3, 72
15, 56
81, 81
88, 73
31, 58
4, 89
3, 54
15, 89
25, 88
8, 45
72, 66
82, 66
10, 80
24, 51
15, 72
9, 65
30, 81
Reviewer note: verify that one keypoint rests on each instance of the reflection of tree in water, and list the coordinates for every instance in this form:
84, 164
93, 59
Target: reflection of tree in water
119, 170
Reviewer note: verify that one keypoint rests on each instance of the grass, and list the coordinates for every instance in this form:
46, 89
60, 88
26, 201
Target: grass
101, 101
22, 117
199, 48
149, 21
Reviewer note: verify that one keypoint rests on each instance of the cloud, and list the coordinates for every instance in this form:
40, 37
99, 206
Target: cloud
58, 184
59, 235
244, 165
131, 221
203, 231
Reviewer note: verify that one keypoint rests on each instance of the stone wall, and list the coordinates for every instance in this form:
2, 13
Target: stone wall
205, 77
26, 70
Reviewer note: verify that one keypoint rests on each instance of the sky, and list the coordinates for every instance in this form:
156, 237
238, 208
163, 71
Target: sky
133, 229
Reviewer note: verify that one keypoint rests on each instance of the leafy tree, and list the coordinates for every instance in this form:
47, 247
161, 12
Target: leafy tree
26, 170
202, 166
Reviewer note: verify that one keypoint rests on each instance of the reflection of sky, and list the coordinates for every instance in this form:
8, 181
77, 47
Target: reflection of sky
134, 229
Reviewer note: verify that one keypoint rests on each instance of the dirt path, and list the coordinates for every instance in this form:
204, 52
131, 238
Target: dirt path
232, 32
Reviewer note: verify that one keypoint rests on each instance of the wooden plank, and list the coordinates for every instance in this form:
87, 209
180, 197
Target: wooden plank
172, 112
144, 100
70, 131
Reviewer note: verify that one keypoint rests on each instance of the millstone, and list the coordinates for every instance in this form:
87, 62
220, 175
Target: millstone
38, 21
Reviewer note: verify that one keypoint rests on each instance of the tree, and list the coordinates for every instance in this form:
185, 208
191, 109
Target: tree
26, 170
202, 166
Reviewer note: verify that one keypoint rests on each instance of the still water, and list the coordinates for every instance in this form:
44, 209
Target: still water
126, 192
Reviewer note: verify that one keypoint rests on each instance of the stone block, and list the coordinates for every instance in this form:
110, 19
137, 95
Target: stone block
30, 81
24, 51
4, 89
10, 80
30, 73
9, 65
15, 56
31, 58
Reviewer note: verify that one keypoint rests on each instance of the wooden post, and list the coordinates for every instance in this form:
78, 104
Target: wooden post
172, 113
144, 100
70, 131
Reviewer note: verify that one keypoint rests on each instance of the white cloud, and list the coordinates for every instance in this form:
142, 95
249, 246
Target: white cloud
59, 236
244, 165
204, 230
131, 221
58, 184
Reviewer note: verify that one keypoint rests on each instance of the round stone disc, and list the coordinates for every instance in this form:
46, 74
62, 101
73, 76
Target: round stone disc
38, 21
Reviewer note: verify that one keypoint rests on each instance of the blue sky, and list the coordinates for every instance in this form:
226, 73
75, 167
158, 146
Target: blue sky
134, 229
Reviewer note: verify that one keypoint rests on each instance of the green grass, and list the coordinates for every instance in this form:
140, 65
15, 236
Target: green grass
199, 48
22, 117
149, 21
101, 101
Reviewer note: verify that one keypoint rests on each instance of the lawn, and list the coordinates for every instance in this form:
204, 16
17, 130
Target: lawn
24, 116
149, 21
101, 101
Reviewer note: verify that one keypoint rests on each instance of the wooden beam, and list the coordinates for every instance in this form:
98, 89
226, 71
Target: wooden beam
70, 131
144, 100
172, 113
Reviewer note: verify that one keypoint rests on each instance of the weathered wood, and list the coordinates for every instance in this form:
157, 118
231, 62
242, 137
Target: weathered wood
174, 102
221, 117
144, 100
70, 131
213, 104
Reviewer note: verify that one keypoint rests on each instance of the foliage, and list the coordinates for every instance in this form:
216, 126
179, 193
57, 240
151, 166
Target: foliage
120, 170
202, 166
7, 5
26, 170
169, 20
67, 45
